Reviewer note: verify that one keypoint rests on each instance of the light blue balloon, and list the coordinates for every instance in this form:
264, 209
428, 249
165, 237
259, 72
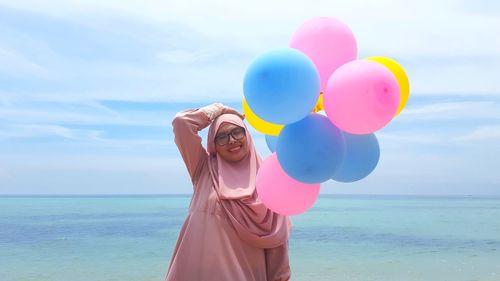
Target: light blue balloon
361, 157
310, 150
282, 86
271, 142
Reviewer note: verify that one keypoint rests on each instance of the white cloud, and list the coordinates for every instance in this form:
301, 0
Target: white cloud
93, 174
198, 51
482, 133
90, 162
84, 138
184, 56
58, 116
420, 35
410, 169
421, 139
418, 23
81, 114
442, 124
472, 77
14, 65
458, 110
47, 130
413, 138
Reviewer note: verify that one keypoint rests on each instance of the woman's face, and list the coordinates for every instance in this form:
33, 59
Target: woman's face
231, 142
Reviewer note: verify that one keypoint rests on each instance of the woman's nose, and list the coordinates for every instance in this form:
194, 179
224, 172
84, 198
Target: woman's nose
231, 138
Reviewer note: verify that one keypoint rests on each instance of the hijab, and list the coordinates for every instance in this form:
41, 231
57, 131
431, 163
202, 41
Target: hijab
234, 183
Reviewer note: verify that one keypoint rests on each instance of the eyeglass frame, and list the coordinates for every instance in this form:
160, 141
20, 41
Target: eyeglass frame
227, 135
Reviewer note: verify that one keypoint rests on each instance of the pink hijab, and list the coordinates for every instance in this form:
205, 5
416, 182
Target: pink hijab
235, 186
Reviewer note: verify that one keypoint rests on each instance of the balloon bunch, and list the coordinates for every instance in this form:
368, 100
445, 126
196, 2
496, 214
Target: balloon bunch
286, 89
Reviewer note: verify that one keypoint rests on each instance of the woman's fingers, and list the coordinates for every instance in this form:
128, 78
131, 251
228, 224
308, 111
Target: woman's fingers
234, 111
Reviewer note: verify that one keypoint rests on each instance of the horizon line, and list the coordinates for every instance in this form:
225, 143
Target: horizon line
190, 194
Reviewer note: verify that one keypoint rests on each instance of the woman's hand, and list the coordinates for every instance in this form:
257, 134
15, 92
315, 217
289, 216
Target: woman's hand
232, 111
214, 110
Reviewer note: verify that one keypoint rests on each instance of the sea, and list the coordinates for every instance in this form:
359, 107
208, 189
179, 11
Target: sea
342, 237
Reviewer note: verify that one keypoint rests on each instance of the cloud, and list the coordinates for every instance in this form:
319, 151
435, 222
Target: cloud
15, 65
413, 138
102, 101
93, 162
250, 23
93, 174
455, 110
482, 133
184, 56
59, 116
31, 131
481, 8
164, 51
432, 123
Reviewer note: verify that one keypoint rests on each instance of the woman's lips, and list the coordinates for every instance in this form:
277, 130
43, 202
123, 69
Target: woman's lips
234, 149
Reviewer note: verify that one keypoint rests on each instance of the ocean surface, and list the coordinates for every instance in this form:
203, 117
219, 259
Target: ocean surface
404, 238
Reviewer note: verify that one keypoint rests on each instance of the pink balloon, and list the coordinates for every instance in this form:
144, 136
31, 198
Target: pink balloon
361, 97
281, 193
328, 42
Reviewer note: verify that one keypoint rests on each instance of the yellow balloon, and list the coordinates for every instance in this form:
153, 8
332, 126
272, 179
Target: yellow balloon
319, 105
260, 124
400, 74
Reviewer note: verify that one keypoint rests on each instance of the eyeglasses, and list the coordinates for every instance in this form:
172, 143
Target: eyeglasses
223, 138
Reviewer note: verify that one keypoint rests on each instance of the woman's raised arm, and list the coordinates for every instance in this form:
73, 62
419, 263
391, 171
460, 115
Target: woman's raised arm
186, 125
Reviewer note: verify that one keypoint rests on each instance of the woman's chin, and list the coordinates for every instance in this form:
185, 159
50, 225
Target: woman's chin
235, 156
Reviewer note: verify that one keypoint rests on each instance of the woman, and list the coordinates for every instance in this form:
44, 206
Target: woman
228, 235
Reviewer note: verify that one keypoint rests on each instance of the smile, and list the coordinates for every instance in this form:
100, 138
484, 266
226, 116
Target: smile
235, 148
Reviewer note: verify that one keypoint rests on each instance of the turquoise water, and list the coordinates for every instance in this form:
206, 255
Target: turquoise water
341, 238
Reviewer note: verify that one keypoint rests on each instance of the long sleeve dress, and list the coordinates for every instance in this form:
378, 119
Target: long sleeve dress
208, 248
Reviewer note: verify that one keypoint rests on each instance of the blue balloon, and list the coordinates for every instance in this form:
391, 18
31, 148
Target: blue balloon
311, 149
361, 157
282, 86
271, 142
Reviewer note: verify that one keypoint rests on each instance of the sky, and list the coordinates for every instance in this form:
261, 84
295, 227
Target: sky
88, 89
